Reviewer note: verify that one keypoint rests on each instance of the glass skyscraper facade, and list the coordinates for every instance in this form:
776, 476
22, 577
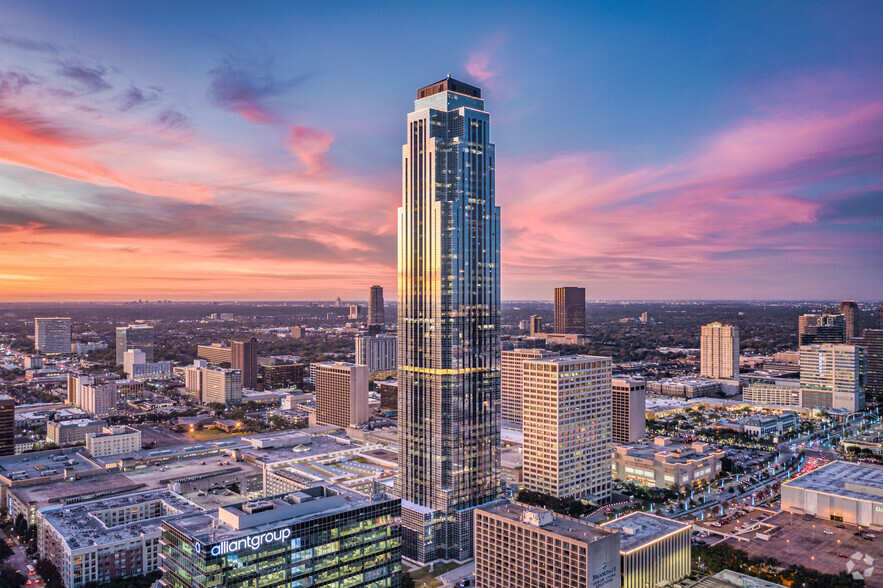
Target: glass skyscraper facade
448, 322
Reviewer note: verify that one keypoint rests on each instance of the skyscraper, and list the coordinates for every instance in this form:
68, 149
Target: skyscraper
833, 376
873, 344
512, 379
849, 310
719, 348
448, 322
568, 406
135, 336
341, 394
570, 310
52, 336
880, 316
535, 324
244, 357
828, 328
376, 315
629, 409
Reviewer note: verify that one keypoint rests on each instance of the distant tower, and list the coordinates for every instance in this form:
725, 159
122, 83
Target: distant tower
244, 357
849, 310
880, 316
135, 336
535, 324
570, 310
52, 336
719, 348
376, 315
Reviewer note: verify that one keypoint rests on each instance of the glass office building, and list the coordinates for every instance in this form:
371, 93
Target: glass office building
320, 536
448, 322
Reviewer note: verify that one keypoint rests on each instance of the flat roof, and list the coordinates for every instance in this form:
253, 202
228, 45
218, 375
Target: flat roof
843, 478
29, 466
315, 446
561, 525
80, 527
640, 528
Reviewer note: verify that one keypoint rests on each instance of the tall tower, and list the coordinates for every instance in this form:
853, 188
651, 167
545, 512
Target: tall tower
448, 322
135, 336
849, 310
719, 351
570, 310
376, 316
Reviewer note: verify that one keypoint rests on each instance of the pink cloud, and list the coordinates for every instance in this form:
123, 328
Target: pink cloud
483, 65
310, 145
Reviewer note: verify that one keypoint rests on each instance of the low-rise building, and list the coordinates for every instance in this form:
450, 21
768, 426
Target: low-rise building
519, 545
770, 424
654, 551
104, 540
839, 491
772, 391
659, 463
685, 387
113, 441
72, 432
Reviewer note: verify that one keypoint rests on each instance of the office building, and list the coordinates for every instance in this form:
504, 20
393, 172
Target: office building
448, 322
193, 378
719, 348
341, 394
804, 322
137, 367
378, 352
355, 312
838, 491
567, 426
512, 362
629, 410
7, 425
654, 551
376, 312
659, 463
98, 399
244, 357
52, 336
136, 336
518, 546
276, 373
110, 539
872, 341
684, 387
389, 394
570, 310
832, 376
828, 328
33, 362
323, 536
880, 316
849, 310
535, 324
215, 354
72, 432
221, 386
113, 441
772, 391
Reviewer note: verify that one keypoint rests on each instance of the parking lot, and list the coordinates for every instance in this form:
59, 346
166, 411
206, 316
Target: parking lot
162, 436
813, 543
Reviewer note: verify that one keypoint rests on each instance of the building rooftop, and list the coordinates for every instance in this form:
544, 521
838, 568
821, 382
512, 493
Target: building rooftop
842, 478
449, 84
672, 452
248, 518
43, 464
565, 526
86, 524
640, 528
307, 447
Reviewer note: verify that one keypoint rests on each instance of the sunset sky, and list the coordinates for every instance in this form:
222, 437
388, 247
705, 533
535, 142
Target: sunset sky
252, 150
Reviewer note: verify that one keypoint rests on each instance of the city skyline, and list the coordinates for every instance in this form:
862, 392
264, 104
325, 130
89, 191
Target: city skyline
726, 152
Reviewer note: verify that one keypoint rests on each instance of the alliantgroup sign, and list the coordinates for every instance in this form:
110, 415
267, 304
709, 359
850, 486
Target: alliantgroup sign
252, 542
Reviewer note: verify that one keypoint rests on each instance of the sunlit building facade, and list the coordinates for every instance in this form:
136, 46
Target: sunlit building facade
448, 322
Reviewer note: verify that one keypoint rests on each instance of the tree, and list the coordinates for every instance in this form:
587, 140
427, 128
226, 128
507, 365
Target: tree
21, 525
11, 578
50, 573
5, 551
407, 581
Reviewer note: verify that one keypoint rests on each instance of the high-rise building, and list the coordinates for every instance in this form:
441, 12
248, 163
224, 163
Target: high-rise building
629, 410
448, 322
517, 545
355, 312
880, 316
828, 328
873, 344
52, 336
832, 376
566, 426
244, 357
849, 310
570, 310
655, 551
341, 394
376, 314
322, 537
511, 380
805, 321
719, 348
96, 398
215, 353
7, 425
535, 324
221, 386
135, 336
378, 352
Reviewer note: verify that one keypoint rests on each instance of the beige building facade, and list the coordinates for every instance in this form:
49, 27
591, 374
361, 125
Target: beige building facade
512, 362
659, 463
567, 426
719, 349
629, 410
342, 394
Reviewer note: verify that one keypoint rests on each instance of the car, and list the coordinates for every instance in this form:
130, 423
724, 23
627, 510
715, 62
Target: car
843, 555
841, 526
829, 532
